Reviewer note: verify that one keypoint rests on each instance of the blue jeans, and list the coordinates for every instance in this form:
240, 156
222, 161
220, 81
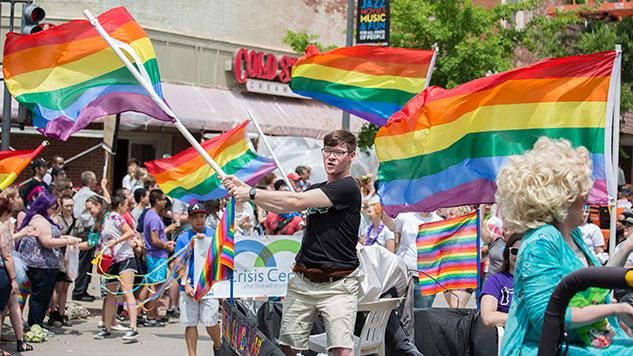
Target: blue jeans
420, 301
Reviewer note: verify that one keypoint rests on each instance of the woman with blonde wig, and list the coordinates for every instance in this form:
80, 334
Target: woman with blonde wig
541, 194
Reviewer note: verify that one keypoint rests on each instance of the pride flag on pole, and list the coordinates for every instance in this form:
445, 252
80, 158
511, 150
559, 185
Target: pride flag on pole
370, 82
220, 256
68, 76
12, 163
445, 147
186, 176
447, 251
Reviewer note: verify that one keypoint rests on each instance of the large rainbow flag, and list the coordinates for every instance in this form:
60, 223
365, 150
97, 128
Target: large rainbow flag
188, 177
447, 251
370, 82
221, 255
445, 147
14, 162
68, 75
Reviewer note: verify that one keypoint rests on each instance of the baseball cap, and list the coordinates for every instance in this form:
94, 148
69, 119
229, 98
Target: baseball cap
197, 208
293, 176
39, 162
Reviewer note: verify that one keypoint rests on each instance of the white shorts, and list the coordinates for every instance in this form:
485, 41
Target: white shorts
193, 313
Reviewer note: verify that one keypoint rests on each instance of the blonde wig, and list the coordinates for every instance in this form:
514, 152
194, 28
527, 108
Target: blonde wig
538, 187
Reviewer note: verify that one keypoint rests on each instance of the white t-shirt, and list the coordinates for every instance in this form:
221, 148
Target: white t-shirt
248, 212
407, 224
373, 235
592, 235
629, 260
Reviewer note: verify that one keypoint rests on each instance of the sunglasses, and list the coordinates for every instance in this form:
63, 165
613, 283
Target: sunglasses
514, 251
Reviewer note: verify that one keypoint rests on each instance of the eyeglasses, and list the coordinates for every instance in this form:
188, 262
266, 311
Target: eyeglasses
337, 153
514, 251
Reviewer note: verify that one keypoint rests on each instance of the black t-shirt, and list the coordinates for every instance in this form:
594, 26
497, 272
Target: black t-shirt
331, 234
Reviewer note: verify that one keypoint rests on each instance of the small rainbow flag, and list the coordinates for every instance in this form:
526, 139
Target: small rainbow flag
68, 75
12, 163
370, 82
447, 251
221, 254
187, 176
445, 147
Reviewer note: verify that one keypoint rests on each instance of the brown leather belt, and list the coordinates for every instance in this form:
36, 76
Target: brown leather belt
318, 275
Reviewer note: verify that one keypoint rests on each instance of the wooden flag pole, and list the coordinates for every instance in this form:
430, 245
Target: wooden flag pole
150, 90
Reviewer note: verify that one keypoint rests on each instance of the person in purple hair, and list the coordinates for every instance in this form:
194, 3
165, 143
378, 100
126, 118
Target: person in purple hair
40, 252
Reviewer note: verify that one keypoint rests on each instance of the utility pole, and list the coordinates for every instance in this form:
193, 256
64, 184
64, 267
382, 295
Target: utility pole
29, 25
6, 103
349, 40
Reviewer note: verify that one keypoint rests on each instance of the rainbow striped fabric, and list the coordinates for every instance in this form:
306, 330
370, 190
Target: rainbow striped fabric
370, 82
447, 251
14, 162
445, 147
68, 75
188, 177
221, 255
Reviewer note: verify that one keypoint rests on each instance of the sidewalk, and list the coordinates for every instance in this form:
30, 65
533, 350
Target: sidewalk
78, 339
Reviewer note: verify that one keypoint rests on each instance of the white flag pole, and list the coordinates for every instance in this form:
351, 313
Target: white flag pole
150, 90
272, 153
427, 80
612, 188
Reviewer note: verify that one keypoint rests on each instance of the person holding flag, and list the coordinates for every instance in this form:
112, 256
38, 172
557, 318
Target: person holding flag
325, 279
205, 310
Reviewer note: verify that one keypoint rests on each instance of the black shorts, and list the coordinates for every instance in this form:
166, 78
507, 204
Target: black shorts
117, 267
62, 277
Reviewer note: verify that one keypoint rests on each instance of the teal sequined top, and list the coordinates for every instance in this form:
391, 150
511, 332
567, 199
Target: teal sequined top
544, 259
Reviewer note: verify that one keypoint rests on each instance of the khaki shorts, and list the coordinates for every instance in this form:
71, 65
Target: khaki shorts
337, 303
194, 312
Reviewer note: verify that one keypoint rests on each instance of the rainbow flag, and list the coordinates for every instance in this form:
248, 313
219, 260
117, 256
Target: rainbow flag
188, 177
68, 76
12, 163
370, 82
447, 251
221, 254
445, 147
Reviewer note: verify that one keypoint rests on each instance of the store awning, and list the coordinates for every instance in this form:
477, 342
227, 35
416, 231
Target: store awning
214, 109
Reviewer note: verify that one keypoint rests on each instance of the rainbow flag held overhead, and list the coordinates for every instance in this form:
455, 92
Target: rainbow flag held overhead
447, 251
12, 163
445, 147
187, 176
220, 256
68, 76
370, 82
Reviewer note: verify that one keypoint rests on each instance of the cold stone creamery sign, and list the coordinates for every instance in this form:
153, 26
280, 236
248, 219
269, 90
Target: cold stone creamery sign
263, 72
262, 266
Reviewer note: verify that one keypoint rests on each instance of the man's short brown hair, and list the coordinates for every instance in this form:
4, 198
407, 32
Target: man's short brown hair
338, 137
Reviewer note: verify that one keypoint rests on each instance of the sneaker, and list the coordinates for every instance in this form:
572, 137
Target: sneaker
66, 322
130, 336
153, 323
54, 319
102, 334
119, 327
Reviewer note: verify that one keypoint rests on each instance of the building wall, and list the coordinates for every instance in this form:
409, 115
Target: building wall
248, 22
195, 39
93, 161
